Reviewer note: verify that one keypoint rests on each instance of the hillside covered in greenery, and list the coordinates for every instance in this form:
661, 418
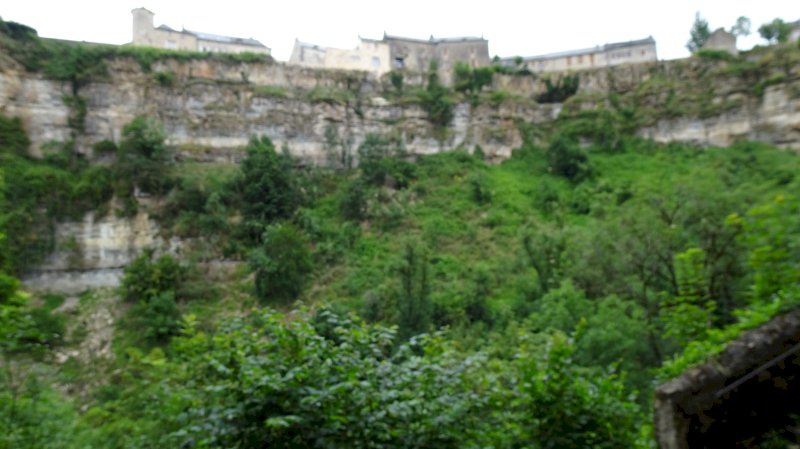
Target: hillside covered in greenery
437, 301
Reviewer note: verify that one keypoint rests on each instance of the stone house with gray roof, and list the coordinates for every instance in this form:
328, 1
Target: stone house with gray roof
637, 51
145, 34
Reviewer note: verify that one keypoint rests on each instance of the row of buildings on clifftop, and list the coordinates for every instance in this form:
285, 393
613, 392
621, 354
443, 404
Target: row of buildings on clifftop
380, 56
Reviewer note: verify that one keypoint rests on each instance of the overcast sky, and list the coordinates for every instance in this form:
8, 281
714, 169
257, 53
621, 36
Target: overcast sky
513, 28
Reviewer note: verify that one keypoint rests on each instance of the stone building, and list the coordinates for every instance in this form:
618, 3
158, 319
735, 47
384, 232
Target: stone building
370, 56
145, 34
794, 35
417, 54
638, 51
721, 40
396, 53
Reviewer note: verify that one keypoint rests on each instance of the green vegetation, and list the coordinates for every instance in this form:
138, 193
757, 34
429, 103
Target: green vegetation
79, 63
431, 302
563, 88
437, 99
699, 33
775, 32
283, 263
530, 303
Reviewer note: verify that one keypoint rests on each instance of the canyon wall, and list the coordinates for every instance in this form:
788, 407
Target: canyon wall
209, 109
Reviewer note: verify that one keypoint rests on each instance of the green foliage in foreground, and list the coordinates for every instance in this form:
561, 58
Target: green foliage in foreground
535, 305
321, 380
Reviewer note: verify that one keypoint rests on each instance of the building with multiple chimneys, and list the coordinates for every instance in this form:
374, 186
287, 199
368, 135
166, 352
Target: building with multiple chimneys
145, 34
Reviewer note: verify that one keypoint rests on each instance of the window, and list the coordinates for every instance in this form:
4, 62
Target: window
376, 62
580, 59
171, 44
399, 63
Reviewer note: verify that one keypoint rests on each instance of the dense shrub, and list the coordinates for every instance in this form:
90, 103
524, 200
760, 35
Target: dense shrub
13, 139
436, 99
267, 188
158, 317
282, 264
381, 161
147, 277
567, 159
353, 203
563, 88
142, 157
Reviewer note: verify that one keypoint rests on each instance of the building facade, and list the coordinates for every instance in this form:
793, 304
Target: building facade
145, 34
794, 35
416, 55
631, 52
370, 56
721, 40
396, 53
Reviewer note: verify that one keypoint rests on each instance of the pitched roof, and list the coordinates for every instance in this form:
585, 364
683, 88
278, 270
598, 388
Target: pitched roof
215, 37
585, 51
433, 40
226, 39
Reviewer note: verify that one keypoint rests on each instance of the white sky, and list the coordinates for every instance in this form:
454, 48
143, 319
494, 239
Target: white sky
513, 28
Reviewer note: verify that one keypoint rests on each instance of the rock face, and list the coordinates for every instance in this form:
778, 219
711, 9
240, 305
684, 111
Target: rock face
215, 107
93, 252
209, 110
218, 107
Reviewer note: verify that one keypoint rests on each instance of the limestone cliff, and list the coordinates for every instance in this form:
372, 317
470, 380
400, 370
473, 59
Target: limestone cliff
209, 109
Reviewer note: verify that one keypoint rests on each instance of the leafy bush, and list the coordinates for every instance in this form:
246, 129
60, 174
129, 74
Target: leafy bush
353, 204
146, 278
381, 162
396, 78
266, 189
39, 193
282, 264
471, 80
564, 87
165, 78
715, 55
567, 159
13, 139
479, 188
158, 317
142, 157
436, 99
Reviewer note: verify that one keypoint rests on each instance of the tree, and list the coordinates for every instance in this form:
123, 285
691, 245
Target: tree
742, 27
413, 301
381, 162
436, 99
267, 189
699, 33
282, 264
142, 155
567, 159
775, 32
